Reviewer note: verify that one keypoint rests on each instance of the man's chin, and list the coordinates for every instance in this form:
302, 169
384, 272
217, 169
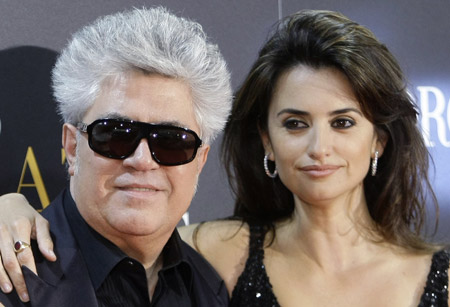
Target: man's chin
144, 224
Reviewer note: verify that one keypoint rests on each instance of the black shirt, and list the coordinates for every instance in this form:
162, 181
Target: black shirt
186, 278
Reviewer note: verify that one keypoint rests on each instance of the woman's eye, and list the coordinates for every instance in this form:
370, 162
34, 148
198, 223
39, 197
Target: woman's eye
295, 124
343, 123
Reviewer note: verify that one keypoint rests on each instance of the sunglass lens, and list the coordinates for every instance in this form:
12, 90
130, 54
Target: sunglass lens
114, 139
173, 146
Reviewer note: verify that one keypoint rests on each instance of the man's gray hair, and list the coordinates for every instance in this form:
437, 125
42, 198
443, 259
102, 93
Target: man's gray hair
149, 40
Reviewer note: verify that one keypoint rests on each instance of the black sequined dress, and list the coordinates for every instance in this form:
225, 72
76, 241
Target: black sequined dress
253, 288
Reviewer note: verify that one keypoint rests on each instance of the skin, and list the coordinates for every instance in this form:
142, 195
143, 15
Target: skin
135, 203
319, 138
328, 249
322, 146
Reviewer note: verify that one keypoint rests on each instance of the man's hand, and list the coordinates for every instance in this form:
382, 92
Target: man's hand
20, 221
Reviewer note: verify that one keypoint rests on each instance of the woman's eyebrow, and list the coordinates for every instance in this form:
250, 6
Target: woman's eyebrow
335, 112
346, 110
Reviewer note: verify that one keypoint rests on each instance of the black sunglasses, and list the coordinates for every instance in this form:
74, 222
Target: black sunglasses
118, 139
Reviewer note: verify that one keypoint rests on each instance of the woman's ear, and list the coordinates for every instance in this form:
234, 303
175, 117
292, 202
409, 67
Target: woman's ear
69, 142
265, 139
380, 142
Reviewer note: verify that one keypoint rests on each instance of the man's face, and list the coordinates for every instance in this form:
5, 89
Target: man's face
135, 196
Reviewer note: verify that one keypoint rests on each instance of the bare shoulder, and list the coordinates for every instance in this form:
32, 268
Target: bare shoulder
414, 269
219, 232
224, 243
187, 233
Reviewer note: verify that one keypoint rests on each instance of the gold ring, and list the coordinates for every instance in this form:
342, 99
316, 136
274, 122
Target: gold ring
19, 246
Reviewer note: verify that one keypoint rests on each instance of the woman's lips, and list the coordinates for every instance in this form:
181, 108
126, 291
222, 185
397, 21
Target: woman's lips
139, 189
319, 170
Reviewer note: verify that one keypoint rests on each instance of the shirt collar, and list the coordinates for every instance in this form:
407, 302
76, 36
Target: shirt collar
101, 255
175, 259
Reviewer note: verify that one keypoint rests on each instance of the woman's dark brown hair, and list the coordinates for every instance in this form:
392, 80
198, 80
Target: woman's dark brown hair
397, 195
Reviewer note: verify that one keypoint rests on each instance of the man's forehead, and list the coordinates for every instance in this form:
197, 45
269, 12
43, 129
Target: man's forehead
149, 98
116, 115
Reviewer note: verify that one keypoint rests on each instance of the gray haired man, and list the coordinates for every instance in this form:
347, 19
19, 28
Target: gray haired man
142, 95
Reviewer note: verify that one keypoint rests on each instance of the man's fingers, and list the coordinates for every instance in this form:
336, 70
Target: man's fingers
44, 239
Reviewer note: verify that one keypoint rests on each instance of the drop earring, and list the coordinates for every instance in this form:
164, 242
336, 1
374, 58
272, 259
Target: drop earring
375, 163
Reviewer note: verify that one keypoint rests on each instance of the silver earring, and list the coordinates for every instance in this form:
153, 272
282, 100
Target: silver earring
266, 168
375, 164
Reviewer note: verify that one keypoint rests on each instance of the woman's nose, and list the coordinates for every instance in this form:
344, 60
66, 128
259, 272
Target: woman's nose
320, 143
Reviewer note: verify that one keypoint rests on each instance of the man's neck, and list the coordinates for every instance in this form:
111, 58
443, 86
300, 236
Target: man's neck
145, 249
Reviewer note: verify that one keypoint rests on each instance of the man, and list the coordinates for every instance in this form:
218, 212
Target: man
142, 95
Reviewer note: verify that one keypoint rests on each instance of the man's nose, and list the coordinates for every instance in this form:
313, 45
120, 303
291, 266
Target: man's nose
141, 159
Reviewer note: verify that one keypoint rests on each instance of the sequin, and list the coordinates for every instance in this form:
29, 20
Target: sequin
436, 290
253, 288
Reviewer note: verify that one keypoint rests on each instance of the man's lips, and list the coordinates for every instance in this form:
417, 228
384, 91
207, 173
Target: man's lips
138, 188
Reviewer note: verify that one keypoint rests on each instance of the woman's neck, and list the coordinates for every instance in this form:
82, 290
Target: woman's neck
334, 234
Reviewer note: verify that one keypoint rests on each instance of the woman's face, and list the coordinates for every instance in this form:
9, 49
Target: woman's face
318, 136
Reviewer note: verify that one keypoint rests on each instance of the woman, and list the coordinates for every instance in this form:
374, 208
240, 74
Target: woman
330, 175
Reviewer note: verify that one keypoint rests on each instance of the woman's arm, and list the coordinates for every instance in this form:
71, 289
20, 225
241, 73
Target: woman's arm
20, 221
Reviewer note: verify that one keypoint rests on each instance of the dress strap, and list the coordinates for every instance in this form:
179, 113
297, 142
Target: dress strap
436, 289
253, 288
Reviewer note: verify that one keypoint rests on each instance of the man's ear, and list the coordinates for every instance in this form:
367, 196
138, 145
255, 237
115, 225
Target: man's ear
202, 154
69, 142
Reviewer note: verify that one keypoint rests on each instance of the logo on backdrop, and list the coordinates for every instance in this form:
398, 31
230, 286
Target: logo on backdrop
30, 135
435, 116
